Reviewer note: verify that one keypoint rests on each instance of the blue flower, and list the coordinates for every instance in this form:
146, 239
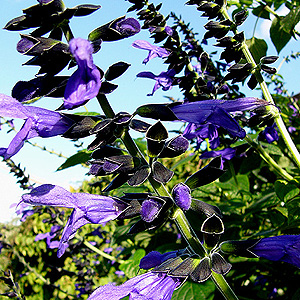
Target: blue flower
154, 51
85, 82
226, 154
279, 248
155, 258
270, 134
164, 80
49, 236
181, 194
38, 122
148, 286
127, 27
284, 248
202, 132
87, 208
217, 112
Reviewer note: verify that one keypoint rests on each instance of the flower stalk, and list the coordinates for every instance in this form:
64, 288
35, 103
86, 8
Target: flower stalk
268, 159
278, 119
178, 215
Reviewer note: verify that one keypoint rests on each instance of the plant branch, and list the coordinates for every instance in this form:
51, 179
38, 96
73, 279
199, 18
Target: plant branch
278, 119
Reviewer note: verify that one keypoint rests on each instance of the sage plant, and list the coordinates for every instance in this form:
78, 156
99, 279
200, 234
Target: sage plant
219, 128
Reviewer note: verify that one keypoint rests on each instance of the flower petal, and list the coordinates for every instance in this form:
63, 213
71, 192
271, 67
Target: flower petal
18, 141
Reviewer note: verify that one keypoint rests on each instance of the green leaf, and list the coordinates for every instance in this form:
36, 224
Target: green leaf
260, 12
116, 70
272, 149
282, 210
286, 190
278, 35
240, 181
291, 20
85, 9
131, 266
156, 111
183, 161
78, 158
257, 47
192, 290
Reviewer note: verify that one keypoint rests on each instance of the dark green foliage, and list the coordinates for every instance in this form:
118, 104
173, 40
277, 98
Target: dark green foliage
247, 199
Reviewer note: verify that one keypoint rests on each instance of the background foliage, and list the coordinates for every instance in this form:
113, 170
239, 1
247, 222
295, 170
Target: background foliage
254, 199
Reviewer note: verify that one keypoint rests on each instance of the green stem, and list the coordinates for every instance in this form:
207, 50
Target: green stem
108, 111
223, 286
268, 9
278, 119
96, 250
267, 158
187, 232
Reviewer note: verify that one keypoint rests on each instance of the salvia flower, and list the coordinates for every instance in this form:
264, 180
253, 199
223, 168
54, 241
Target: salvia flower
201, 133
182, 196
154, 51
279, 248
163, 80
127, 27
85, 82
270, 134
284, 248
217, 112
49, 236
148, 286
87, 208
225, 154
38, 122
155, 258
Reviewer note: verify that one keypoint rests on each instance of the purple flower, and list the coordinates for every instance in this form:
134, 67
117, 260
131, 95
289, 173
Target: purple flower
202, 132
85, 82
147, 286
292, 129
120, 273
49, 236
38, 122
284, 248
217, 112
154, 51
108, 250
169, 30
279, 248
182, 196
150, 209
23, 209
164, 80
127, 27
226, 154
87, 208
154, 259
270, 134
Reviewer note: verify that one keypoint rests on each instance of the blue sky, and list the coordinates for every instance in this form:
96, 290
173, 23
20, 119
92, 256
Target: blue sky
131, 92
